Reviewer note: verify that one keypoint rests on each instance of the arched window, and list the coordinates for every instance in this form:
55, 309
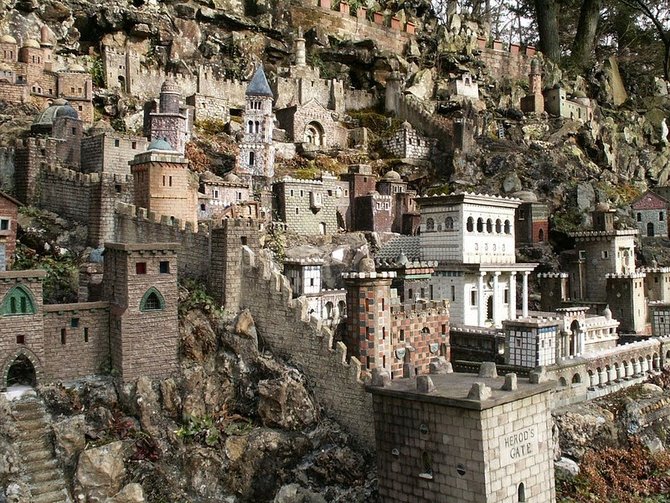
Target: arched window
19, 300
257, 129
329, 310
252, 158
508, 227
430, 224
448, 224
521, 493
480, 225
540, 235
639, 217
152, 301
489, 226
470, 224
650, 229
250, 127
498, 226
576, 379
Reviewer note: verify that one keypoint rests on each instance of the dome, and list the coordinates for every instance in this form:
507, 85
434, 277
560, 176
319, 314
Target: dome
366, 265
7, 39
231, 178
59, 108
392, 176
406, 125
526, 196
160, 144
76, 68
170, 86
602, 207
31, 43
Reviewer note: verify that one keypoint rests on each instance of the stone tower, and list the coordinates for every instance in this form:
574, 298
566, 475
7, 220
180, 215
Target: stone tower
533, 102
300, 52
164, 184
393, 89
368, 336
257, 152
170, 122
140, 282
625, 297
555, 290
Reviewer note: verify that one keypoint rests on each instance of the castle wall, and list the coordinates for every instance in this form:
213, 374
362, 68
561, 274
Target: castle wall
348, 27
76, 339
284, 325
136, 225
110, 152
14, 93
504, 64
65, 192
30, 157
209, 107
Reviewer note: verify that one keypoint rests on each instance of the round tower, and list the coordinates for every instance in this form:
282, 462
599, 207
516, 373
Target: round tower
170, 98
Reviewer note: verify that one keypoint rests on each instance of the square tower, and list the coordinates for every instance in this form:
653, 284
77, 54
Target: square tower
140, 283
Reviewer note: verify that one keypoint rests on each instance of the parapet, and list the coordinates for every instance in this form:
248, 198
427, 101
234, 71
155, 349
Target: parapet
304, 261
141, 248
28, 274
544, 275
369, 275
653, 270
632, 275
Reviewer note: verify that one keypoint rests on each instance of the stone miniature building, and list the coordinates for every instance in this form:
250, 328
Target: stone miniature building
28, 74
464, 86
465, 438
384, 333
164, 184
217, 195
168, 120
107, 151
305, 277
650, 212
257, 152
556, 102
312, 125
9, 213
407, 144
531, 223
533, 102
43, 343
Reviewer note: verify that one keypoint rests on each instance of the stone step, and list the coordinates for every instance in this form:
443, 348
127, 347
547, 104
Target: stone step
32, 455
34, 432
46, 475
29, 415
47, 486
31, 425
37, 466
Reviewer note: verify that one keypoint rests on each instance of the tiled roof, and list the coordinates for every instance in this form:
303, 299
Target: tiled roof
409, 245
259, 84
650, 201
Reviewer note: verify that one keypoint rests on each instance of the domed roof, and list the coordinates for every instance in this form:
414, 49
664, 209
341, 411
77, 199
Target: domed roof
259, 84
526, 196
170, 86
366, 265
31, 43
76, 68
231, 178
7, 39
160, 144
392, 176
59, 108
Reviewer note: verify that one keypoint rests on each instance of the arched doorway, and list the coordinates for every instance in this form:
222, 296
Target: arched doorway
540, 235
314, 134
650, 229
21, 372
574, 337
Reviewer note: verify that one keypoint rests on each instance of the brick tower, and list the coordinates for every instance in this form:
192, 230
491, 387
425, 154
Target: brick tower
257, 152
140, 282
368, 336
164, 184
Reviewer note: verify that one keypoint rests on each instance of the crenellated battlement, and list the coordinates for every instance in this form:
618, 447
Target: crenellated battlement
429, 308
543, 275
632, 275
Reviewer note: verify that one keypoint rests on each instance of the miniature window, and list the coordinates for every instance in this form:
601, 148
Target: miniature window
522, 493
74, 131
582, 254
453, 292
448, 223
74, 323
152, 301
508, 227
86, 334
164, 267
506, 296
252, 158
20, 339
639, 217
80, 109
489, 226
202, 207
605, 254
133, 145
427, 465
498, 226
522, 214
4, 224
117, 143
660, 216
473, 297
470, 224
430, 224
141, 268
480, 225
18, 300
402, 335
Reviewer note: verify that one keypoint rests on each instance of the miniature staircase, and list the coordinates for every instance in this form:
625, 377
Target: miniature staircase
47, 484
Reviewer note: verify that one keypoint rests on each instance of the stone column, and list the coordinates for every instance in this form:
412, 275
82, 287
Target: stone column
637, 370
581, 341
657, 363
602, 377
645, 366
620, 372
611, 375
629, 369
496, 300
524, 297
480, 300
593, 380
512, 296
300, 59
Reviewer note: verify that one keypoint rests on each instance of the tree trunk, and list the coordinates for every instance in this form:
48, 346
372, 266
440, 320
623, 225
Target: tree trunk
547, 23
585, 39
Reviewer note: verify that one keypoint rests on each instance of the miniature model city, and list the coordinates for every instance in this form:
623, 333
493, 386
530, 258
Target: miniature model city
442, 299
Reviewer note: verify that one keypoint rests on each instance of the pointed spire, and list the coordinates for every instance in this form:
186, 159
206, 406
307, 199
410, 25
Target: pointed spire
259, 84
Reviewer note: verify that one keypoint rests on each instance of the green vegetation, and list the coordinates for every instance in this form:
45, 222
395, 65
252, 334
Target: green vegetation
201, 429
62, 279
211, 126
97, 72
193, 295
379, 124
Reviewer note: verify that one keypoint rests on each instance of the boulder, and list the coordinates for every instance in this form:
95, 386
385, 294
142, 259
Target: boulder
422, 85
131, 493
285, 403
70, 437
586, 197
293, 493
566, 467
100, 472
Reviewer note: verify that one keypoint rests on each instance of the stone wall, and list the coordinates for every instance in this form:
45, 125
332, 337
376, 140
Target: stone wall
209, 107
137, 225
14, 93
308, 206
350, 27
110, 152
504, 64
76, 339
284, 325
7, 169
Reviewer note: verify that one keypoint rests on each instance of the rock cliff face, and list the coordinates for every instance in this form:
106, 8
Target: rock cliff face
238, 425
